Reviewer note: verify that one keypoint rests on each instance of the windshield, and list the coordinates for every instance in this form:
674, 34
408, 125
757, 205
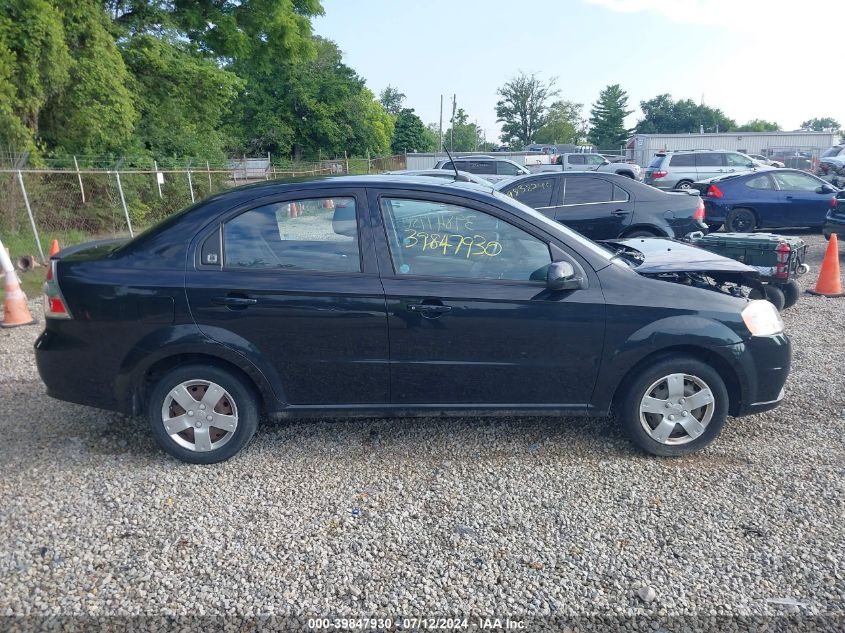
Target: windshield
555, 226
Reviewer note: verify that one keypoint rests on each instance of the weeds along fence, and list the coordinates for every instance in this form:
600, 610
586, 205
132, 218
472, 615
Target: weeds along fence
74, 204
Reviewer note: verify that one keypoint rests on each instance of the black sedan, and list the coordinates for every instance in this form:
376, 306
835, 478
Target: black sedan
395, 295
834, 221
607, 206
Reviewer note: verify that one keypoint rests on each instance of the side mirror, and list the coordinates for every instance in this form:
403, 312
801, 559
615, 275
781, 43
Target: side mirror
826, 189
561, 276
605, 162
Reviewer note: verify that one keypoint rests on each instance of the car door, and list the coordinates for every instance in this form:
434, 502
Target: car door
591, 207
802, 198
737, 162
539, 192
471, 321
709, 164
293, 280
576, 162
761, 194
593, 161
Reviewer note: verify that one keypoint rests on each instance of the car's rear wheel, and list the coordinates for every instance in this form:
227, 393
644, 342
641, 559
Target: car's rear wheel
673, 407
202, 414
684, 184
741, 221
791, 292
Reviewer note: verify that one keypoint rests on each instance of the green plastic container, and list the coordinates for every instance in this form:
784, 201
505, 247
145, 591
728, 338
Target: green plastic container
759, 250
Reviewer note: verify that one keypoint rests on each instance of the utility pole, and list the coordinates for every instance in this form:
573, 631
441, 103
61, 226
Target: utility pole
439, 147
452, 127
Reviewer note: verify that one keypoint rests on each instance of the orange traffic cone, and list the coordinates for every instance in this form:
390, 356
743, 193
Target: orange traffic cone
829, 283
15, 310
54, 248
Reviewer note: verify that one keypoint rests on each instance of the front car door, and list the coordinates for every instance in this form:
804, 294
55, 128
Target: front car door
709, 164
593, 161
293, 280
594, 206
737, 162
802, 198
763, 197
471, 321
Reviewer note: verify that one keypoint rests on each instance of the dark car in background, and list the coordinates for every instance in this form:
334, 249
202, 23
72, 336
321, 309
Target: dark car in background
834, 221
607, 206
394, 295
771, 199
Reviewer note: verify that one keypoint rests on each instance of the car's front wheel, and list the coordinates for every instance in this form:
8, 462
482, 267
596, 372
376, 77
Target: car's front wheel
202, 414
673, 407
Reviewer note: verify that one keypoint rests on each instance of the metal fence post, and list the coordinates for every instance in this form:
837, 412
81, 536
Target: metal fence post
123, 202
208, 169
31, 218
190, 185
158, 182
368, 161
269, 162
79, 177
346, 160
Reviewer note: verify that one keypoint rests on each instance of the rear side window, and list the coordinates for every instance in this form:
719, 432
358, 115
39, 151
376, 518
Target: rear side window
587, 190
619, 194
317, 234
682, 160
760, 182
478, 166
709, 160
535, 192
656, 162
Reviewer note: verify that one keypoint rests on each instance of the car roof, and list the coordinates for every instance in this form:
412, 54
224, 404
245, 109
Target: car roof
751, 173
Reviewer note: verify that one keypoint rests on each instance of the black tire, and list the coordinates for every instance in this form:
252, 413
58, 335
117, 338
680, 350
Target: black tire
641, 233
740, 221
627, 174
791, 293
641, 382
714, 226
684, 184
775, 295
239, 397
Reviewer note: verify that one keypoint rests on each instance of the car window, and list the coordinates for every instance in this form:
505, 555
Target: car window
592, 159
759, 182
682, 160
504, 168
656, 162
478, 166
577, 160
619, 194
535, 192
319, 234
444, 240
736, 160
586, 190
789, 181
709, 159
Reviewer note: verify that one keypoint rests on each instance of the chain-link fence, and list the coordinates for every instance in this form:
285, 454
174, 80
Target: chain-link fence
75, 203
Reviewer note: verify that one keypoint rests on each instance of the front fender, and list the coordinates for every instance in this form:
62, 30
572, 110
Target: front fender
687, 333
188, 339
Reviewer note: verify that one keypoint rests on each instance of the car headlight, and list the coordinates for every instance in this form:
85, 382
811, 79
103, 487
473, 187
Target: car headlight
762, 318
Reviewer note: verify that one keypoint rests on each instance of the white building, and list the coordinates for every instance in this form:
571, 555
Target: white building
641, 148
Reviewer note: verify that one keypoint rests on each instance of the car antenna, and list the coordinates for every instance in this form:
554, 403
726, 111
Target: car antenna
451, 160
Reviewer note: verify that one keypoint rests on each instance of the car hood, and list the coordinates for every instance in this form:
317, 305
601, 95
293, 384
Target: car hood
669, 256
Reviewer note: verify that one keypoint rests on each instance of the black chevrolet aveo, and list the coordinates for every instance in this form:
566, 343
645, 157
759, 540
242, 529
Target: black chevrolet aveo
403, 296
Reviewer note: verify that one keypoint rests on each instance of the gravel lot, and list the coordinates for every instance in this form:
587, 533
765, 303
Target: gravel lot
525, 518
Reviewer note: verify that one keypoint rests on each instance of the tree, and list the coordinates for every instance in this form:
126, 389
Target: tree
410, 135
663, 115
824, 124
758, 125
607, 118
391, 100
564, 124
463, 136
522, 109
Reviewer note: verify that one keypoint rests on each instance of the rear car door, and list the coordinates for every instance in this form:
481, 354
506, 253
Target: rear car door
592, 207
576, 162
709, 164
293, 279
802, 200
470, 318
540, 193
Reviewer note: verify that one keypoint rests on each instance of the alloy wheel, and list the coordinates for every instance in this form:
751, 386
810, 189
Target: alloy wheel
676, 409
199, 415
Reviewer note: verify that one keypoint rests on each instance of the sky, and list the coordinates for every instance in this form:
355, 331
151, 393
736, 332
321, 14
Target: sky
752, 58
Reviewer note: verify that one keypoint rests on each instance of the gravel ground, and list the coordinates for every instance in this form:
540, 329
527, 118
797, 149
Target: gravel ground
528, 518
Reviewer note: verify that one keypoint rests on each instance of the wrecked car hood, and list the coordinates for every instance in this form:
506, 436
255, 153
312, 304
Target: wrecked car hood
669, 256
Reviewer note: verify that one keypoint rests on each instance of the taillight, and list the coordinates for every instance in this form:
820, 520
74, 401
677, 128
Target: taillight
699, 211
54, 303
834, 202
714, 192
782, 266
659, 174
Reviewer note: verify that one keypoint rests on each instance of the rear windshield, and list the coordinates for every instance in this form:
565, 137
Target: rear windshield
656, 162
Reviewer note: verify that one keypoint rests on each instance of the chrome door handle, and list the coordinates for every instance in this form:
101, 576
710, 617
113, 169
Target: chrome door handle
619, 213
234, 301
429, 310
